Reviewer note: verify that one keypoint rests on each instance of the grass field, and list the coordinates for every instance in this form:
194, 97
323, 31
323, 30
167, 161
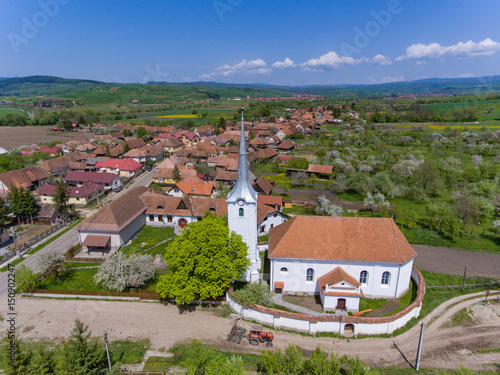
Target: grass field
150, 240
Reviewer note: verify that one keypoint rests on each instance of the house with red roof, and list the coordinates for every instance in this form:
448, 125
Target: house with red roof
120, 167
78, 195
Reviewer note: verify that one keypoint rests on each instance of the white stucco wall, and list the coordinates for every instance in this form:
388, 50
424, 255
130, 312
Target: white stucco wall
175, 220
360, 327
271, 220
330, 303
295, 278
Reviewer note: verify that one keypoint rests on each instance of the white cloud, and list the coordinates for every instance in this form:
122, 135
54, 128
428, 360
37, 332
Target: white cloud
287, 63
244, 67
419, 53
379, 59
331, 61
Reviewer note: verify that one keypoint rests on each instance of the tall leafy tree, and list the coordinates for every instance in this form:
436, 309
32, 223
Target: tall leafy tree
81, 356
22, 202
203, 261
177, 174
43, 362
4, 212
61, 199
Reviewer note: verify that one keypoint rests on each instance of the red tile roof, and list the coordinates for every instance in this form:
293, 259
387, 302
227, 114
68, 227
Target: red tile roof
340, 238
320, 169
121, 164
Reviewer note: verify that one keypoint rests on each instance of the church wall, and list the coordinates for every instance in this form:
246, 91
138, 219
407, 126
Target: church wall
295, 278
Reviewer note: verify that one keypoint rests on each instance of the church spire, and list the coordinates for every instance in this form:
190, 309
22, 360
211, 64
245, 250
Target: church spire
243, 188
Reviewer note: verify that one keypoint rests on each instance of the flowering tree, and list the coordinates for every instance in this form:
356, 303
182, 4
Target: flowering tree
375, 201
326, 208
119, 271
51, 263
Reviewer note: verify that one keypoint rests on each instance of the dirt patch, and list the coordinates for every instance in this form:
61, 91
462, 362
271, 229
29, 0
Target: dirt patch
389, 306
309, 302
28, 232
16, 136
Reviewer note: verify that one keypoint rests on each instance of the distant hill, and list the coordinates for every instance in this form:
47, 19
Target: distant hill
95, 92
44, 85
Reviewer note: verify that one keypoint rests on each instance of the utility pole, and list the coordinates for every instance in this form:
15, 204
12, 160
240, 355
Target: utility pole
463, 281
419, 350
107, 349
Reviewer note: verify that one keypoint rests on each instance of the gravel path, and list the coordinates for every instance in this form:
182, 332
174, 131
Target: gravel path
452, 261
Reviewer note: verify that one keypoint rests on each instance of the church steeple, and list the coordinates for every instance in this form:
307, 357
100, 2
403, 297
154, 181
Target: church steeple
243, 188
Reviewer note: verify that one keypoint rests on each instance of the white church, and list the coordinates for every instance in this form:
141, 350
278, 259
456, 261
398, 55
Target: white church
342, 259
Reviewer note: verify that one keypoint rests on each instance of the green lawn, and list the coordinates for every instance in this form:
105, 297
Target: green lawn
150, 240
78, 280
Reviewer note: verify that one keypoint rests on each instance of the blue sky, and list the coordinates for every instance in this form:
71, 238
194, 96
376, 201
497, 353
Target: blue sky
284, 42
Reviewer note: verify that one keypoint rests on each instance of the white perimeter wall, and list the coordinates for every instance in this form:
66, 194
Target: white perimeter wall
328, 326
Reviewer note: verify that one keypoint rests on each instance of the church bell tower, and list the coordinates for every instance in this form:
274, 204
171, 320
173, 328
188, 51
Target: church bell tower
242, 210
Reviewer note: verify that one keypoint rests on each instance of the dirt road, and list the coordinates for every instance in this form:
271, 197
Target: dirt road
165, 326
452, 261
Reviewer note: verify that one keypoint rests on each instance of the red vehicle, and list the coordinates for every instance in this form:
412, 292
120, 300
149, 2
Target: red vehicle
257, 335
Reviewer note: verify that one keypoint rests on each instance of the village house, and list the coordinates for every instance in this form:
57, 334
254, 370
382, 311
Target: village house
120, 167
114, 224
78, 178
29, 178
78, 195
182, 189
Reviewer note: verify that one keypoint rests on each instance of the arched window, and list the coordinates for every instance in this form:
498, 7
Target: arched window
363, 277
310, 274
284, 269
242, 212
386, 276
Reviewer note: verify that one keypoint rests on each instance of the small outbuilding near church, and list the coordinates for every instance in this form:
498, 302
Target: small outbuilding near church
342, 259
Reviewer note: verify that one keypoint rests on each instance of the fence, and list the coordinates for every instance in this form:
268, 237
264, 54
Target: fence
25, 246
451, 288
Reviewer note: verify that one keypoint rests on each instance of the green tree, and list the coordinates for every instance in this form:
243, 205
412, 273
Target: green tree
61, 199
298, 163
80, 356
17, 357
4, 212
140, 132
43, 362
221, 123
428, 177
127, 132
203, 261
177, 173
26, 279
21, 202
126, 149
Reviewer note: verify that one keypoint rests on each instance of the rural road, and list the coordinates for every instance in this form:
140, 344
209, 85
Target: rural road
166, 325
69, 238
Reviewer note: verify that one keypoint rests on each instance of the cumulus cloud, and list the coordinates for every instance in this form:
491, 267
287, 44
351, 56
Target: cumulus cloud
331, 60
287, 63
244, 67
420, 53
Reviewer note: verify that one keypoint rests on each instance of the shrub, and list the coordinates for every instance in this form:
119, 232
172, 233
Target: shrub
254, 294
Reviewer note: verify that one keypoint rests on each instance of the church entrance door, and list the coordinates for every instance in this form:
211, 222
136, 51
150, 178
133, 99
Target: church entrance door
341, 304
182, 223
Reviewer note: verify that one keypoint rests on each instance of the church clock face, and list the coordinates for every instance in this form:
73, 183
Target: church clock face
240, 202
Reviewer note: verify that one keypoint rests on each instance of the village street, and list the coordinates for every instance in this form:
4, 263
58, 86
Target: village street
166, 325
